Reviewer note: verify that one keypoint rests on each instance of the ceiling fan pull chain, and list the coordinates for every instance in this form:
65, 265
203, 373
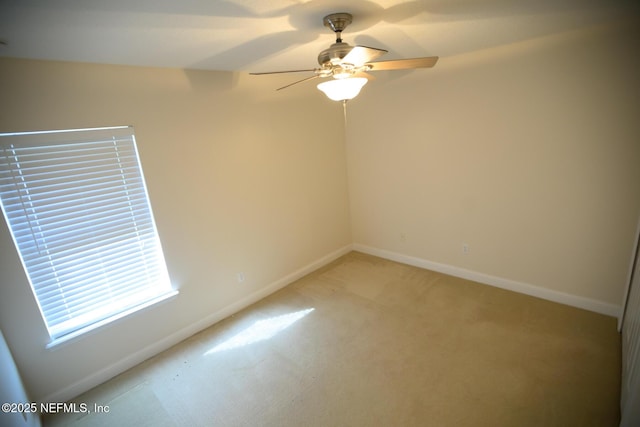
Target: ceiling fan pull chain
344, 112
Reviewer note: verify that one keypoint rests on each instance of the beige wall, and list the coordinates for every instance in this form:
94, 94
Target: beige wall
241, 179
529, 153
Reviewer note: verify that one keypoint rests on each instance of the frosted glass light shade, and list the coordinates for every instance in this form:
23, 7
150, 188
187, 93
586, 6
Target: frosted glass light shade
343, 89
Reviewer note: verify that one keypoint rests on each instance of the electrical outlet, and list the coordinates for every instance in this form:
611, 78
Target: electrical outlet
240, 277
465, 248
403, 237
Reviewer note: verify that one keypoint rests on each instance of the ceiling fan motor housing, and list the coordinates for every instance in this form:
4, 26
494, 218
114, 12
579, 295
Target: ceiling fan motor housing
334, 54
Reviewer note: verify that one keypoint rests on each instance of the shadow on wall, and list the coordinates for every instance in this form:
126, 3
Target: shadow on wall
211, 82
12, 393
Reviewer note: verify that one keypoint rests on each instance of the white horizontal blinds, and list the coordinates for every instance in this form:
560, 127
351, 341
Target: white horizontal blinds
77, 205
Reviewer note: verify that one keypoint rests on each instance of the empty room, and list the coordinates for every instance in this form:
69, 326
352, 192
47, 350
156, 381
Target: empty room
319, 213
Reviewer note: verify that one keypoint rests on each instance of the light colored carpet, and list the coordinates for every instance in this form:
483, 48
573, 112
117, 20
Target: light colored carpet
370, 342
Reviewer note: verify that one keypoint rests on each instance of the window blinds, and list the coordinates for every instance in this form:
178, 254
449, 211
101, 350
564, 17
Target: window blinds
77, 206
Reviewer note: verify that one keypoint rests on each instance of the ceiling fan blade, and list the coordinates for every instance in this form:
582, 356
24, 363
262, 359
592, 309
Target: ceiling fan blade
360, 55
403, 64
296, 82
282, 72
367, 76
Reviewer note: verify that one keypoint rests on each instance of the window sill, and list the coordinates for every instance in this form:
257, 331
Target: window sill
75, 335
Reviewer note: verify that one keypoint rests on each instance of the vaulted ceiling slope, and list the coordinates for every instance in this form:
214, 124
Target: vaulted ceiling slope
256, 35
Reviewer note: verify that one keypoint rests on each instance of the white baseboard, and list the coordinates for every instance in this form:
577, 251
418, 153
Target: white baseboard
499, 282
140, 356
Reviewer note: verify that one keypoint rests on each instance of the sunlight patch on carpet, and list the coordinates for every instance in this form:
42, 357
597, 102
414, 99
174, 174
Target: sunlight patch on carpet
261, 330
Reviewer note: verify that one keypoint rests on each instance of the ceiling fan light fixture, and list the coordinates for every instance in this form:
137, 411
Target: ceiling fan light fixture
342, 89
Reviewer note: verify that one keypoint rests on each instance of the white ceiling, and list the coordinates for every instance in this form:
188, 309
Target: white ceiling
261, 35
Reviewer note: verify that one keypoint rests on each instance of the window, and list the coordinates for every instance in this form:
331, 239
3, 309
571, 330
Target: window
77, 207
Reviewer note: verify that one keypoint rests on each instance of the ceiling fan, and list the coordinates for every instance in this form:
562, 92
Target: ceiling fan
348, 64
